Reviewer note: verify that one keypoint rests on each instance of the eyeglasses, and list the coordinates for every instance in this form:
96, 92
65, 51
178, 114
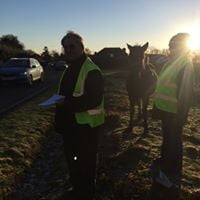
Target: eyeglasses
69, 47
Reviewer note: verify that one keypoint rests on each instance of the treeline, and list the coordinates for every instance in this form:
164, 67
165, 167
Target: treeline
10, 46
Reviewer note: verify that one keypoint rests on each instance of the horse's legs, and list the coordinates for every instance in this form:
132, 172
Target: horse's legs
139, 110
132, 111
145, 102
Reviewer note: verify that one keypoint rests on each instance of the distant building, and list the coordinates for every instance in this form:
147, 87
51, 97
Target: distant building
113, 52
115, 57
110, 57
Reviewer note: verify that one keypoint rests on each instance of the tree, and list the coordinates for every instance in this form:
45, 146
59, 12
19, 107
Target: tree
165, 52
154, 50
88, 51
55, 55
28, 53
31, 53
45, 54
11, 41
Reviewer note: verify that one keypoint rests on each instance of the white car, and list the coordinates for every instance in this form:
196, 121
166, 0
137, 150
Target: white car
24, 70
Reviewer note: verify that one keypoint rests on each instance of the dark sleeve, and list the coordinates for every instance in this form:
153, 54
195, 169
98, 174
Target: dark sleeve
185, 82
93, 94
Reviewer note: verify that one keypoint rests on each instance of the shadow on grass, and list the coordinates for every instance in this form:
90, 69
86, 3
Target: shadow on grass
130, 158
111, 122
128, 134
115, 168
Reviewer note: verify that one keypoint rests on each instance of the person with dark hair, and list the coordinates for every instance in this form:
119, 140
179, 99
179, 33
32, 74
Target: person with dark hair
172, 100
80, 116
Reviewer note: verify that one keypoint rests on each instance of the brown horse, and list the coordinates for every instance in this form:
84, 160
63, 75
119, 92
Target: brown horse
141, 82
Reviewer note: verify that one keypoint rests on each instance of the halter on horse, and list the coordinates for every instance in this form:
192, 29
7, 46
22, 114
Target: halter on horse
141, 82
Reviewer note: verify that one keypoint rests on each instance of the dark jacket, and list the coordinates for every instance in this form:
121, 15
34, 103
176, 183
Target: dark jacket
92, 97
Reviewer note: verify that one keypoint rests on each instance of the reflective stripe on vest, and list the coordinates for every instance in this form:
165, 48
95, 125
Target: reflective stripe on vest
170, 85
166, 98
94, 111
76, 94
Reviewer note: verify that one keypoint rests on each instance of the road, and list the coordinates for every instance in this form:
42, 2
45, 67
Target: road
11, 94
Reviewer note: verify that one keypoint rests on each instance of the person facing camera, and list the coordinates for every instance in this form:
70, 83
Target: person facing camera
172, 101
79, 116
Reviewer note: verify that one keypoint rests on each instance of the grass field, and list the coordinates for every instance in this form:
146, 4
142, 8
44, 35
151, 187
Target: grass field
124, 159
22, 132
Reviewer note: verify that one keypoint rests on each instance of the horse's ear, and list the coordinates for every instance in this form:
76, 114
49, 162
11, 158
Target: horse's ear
145, 46
129, 46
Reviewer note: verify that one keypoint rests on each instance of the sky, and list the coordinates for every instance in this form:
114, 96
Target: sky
102, 23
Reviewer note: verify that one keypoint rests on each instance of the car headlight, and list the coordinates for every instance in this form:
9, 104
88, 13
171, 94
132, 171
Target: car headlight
23, 73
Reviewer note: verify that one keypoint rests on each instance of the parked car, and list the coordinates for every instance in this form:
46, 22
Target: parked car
24, 70
60, 65
51, 64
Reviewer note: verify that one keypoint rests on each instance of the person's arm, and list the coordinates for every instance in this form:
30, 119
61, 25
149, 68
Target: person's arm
185, 81
93, 94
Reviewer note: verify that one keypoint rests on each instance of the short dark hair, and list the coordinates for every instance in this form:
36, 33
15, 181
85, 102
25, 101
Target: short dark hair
71, 34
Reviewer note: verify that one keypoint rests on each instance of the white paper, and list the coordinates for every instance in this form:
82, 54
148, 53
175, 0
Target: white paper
52, 100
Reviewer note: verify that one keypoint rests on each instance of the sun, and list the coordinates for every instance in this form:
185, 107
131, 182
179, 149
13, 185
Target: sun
194, 41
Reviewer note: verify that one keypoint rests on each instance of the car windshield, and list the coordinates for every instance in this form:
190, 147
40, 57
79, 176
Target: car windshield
17, 63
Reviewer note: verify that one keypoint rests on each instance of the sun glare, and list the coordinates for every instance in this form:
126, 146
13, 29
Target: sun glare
194, 41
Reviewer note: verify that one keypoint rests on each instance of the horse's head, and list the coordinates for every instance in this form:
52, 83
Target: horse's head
137, 52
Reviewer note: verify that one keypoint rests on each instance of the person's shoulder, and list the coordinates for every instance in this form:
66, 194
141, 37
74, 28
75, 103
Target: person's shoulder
187, 61
95, 72
90, 61
92, 65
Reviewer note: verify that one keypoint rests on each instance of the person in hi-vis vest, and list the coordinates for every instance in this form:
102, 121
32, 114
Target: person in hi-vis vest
79, 116
172, 100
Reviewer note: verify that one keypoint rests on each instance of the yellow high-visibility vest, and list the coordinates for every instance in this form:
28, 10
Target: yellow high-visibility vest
165, 97
94, 117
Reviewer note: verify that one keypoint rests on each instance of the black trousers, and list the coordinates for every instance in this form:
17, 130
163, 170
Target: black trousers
172, 145
80, 146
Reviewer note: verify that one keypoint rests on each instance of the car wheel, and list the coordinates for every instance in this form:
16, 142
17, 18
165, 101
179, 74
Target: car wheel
30, 80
